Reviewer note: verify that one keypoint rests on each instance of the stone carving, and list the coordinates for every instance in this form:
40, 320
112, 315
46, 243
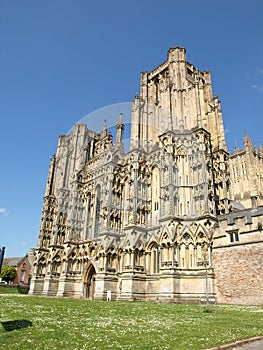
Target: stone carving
135, 223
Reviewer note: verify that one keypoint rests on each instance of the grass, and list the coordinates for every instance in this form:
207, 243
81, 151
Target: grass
14, 289
30, 322
7, 290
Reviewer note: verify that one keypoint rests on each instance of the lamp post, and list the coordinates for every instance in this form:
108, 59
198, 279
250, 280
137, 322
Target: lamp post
206, 288
207, 301
2, 253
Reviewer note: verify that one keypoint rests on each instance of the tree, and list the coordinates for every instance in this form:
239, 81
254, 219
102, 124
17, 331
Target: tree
8, 273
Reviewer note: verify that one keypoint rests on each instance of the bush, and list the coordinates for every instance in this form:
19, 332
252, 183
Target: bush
8, 273
23, 289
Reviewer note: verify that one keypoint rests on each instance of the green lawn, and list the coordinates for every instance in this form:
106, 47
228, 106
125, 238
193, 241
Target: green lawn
48, 323
8, 290
11, 289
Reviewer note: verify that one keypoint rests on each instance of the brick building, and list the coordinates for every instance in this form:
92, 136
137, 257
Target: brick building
23, 266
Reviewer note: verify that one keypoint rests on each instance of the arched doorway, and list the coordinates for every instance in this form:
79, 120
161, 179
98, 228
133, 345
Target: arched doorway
89, 283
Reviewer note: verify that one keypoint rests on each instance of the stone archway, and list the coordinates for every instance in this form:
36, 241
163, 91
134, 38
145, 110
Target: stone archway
89, 283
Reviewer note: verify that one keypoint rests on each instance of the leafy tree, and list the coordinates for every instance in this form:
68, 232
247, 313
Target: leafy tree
8, 273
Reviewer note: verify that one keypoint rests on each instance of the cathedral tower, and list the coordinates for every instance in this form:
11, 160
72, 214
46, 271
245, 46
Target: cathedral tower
149, 224
173, 96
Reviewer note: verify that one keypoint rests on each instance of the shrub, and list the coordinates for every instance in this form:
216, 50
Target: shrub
8, 273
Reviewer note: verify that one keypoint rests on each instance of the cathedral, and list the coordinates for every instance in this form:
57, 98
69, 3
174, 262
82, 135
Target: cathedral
175, 218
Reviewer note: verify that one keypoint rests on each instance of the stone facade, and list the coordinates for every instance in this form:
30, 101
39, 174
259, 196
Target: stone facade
159, 222
246, 169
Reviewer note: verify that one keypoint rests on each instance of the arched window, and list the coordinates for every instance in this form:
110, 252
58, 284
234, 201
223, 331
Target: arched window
60, 237
97, 213
88, 216
154, 259
155, 196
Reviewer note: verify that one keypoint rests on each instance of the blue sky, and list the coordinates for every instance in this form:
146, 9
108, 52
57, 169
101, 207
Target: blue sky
62, 59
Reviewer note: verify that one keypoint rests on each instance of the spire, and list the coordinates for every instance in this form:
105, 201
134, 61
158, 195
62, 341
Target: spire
104, 130
247, 142
51, 175
120, 121
119, 130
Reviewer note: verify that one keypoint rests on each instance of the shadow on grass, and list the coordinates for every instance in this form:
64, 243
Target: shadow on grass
16, 324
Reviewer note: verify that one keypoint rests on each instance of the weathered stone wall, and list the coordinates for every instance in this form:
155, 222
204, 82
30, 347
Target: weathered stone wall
239, 274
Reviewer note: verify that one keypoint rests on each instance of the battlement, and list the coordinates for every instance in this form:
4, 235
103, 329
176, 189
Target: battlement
239, 228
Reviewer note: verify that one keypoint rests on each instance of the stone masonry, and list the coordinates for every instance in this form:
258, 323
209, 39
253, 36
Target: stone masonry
176, 218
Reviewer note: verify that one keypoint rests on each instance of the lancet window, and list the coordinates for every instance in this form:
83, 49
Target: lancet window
88, 216
155, 196
154, 258
60, 237
97, 212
